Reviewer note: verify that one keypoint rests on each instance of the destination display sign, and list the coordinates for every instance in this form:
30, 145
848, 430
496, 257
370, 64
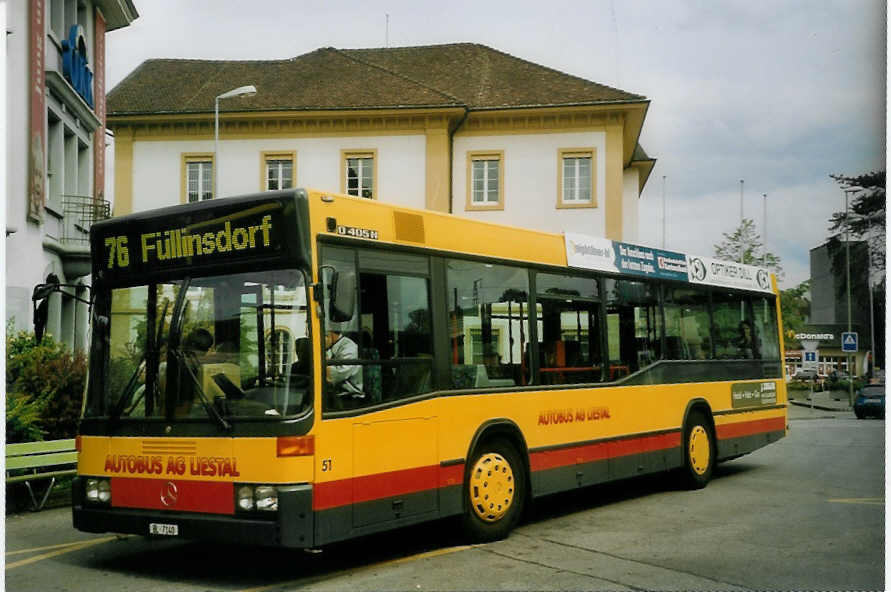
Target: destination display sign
602, 254
224, 234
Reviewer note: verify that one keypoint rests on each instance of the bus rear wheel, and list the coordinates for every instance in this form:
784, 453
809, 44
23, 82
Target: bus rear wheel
494, 491
699, 451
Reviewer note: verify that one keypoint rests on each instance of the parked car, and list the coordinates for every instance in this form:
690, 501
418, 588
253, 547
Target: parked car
806, 375
870, 401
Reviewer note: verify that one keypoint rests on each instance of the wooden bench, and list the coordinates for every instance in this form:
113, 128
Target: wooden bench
44, 460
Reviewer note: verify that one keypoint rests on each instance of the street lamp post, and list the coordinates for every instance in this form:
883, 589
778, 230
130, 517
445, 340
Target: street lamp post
246, 91
741, 217
663, 211
764, 252
848, 191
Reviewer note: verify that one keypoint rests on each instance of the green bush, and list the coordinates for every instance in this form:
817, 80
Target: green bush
844, 385
22, 419
44, 386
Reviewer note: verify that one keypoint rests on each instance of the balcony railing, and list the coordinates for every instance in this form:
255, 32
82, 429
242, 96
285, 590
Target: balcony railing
80, 212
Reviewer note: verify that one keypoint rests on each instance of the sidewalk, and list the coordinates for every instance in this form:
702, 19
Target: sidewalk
823, 400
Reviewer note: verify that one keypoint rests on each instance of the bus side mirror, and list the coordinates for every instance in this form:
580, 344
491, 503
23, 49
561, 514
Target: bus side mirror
40, 299
342, 296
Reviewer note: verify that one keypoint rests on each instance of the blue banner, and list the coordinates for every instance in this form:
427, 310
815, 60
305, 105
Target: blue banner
648, 262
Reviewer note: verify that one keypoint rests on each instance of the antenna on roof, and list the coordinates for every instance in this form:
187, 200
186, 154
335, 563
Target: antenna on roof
387, 32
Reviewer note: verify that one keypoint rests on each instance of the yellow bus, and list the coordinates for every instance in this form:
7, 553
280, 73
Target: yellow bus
296, 368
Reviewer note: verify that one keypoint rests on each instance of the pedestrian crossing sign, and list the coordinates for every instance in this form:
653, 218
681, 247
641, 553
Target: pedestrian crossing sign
849, 342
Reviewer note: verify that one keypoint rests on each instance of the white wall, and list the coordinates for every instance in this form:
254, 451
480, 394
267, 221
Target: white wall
530, 181
401, 166
630, 202
26, 261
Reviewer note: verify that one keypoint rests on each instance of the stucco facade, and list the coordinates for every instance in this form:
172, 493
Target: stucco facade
55, 150
424, 153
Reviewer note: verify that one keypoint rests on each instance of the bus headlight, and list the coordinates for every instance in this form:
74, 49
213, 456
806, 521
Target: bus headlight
262, 498
266, 498
245, 498
97, 491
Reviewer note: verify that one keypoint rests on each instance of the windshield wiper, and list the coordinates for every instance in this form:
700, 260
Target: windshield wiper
129, 390
208, 406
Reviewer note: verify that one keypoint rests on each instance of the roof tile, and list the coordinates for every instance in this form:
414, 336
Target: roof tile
462, 74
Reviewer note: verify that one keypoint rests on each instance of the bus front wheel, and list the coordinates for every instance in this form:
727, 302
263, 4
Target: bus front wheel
699, 451
494, 491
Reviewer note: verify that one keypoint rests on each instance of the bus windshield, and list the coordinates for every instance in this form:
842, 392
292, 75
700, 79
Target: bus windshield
215, 347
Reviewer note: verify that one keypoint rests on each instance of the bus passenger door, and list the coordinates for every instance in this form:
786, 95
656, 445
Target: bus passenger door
395, 469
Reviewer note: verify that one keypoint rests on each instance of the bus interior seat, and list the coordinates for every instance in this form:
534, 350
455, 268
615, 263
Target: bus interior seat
302, 352
463, 376
412, 379
482, 380
372, 378
674, 348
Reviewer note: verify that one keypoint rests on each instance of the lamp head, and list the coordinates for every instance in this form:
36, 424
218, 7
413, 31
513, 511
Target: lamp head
247, 91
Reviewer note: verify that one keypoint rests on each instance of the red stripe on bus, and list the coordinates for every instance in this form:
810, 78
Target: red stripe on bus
371, 487
209, 497
750, 428
451, 475
551, 459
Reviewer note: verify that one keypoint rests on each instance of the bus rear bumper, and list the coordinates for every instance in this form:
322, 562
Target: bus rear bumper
291, 526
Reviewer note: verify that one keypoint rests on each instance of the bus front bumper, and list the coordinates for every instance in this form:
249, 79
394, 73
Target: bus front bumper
290, 526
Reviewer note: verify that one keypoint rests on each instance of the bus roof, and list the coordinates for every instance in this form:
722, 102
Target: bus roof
360, 218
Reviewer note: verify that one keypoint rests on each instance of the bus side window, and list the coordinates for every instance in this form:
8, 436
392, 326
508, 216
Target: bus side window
766, 331
568, 315
396, 330
488, 324
732, 326
687, 328
634, 328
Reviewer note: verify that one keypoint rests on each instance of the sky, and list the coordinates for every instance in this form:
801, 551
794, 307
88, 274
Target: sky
777, 93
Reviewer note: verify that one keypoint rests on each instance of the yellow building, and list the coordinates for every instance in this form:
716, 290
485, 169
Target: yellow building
460, 128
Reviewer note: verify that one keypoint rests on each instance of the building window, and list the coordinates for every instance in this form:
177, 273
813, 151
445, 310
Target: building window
278, 353
485, 173
575, 178
197, 177
359, 173
278, 170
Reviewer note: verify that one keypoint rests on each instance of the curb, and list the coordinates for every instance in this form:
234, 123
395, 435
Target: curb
820, 407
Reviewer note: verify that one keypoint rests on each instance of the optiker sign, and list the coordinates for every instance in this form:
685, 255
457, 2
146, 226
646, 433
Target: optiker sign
75, 67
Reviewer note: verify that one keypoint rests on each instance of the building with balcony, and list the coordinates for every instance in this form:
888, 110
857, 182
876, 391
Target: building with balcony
55, 151
460, 128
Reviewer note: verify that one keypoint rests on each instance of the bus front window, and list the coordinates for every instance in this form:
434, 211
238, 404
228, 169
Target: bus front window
224, 346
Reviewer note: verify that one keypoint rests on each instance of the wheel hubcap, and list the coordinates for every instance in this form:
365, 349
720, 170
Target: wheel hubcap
700, 450
491, 487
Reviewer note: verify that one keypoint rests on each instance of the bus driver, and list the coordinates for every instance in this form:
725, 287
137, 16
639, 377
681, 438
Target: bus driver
345, 380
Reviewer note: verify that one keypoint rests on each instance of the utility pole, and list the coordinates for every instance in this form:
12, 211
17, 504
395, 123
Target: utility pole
741, 219
663, 212
764, 252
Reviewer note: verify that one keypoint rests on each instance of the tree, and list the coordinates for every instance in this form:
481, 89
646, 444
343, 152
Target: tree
865, 217
795, 304
744, 246
864, 220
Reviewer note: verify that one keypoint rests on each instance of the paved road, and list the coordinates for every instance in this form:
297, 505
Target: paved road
805, 513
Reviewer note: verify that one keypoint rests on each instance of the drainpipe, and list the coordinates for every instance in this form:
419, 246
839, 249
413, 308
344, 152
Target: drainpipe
452, 156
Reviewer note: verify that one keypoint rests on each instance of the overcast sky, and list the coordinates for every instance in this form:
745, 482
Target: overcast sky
777, 93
